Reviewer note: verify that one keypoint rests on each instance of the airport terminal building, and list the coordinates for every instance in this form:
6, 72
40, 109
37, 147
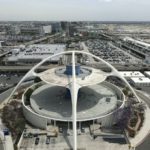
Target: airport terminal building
50, 101
74, 93
35, 53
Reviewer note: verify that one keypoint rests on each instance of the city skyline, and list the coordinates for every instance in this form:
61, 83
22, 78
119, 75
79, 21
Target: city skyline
71, 10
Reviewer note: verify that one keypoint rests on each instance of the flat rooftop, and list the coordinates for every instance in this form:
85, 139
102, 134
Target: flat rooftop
141, 80
93, 102
131, 74
147, 73
88, 76
38, 51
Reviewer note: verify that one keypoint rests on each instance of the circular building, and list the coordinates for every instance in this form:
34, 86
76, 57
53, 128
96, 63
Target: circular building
50, 101
74, 92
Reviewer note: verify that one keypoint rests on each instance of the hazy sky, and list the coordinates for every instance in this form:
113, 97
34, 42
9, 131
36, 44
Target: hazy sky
99, 10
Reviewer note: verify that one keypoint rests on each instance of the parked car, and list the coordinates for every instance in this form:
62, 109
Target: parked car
37, 141
47, 140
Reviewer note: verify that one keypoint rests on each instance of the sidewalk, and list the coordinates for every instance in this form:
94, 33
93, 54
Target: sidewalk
8, 143
144, 131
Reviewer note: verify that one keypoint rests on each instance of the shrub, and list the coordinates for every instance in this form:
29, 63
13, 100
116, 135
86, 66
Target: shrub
37, 79
27, 96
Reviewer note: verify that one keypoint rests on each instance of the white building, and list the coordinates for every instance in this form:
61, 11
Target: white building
37, 52
15, 51
47, 29
147, 74
15, 29
147, 59
131, 74
141, 43
1, 43
140, 82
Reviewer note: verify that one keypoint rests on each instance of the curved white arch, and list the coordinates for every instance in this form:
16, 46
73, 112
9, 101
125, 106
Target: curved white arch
74, 86
114, 71
74, 93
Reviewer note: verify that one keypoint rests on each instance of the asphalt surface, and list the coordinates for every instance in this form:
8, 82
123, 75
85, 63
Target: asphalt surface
145, 145
1, 146
9, 79
5, 95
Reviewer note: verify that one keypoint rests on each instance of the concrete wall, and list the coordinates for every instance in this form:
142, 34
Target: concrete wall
146, 74
116, 89
34, 119
108, 121
41, 121
140, 84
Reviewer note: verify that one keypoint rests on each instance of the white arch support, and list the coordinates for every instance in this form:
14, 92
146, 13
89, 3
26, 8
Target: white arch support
74, 92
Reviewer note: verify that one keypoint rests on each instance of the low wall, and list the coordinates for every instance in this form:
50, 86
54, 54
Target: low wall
116, 89
35, 119
41, 121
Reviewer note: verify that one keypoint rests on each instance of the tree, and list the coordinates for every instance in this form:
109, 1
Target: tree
27, 95
37, 79
126, 91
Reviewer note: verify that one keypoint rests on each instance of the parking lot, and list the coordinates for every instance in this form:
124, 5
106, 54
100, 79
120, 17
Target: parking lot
108, 52
65, 143
42, 140
41, 144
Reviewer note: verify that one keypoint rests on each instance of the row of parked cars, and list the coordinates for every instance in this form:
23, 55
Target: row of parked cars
37, 138
104, 50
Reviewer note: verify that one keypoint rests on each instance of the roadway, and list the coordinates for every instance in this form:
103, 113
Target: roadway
117, 66
139, 52
85, 48
1, 146
4, 96
134, 59
19, 68
42, 39
145, 145
2, 55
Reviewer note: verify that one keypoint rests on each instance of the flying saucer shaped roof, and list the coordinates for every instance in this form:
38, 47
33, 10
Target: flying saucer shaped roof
57, 76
